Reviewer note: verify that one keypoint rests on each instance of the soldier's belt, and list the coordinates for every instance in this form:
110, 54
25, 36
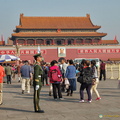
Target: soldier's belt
36, 80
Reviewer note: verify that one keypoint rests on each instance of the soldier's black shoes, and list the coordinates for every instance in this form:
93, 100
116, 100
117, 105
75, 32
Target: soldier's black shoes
40, 111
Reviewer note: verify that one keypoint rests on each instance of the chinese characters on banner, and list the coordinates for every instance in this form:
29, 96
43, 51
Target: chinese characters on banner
12, 52
25, 52
102, 51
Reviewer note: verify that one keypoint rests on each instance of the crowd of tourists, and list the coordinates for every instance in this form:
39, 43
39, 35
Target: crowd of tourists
61, 76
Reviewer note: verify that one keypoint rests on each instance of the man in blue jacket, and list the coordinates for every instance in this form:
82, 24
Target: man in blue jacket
26, 74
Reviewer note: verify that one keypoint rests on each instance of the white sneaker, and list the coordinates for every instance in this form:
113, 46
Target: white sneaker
28, 91
89, 101
81, 101
61, 98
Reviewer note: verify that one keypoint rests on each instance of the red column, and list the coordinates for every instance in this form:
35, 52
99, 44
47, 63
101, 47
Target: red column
53, 42
83, 42
66, 42
34, 41
25, 41
92, 41
74, 41
44, 42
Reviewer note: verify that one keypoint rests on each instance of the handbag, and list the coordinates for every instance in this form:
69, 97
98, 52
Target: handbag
80, 79
67, 82
93, 81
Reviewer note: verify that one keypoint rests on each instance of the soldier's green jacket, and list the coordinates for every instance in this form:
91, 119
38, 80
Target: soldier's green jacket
38, 72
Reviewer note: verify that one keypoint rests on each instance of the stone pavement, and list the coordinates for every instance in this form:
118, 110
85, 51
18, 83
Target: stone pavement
20, 107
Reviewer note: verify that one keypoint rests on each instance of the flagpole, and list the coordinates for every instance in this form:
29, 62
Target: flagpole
115, 39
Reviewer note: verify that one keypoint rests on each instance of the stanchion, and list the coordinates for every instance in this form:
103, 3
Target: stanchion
119, 73
111, 68
106, 68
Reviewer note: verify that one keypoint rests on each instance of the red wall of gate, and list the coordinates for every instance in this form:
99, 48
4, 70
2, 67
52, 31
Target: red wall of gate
52, 54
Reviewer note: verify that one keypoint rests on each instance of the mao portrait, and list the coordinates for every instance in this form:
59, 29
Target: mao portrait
61, 52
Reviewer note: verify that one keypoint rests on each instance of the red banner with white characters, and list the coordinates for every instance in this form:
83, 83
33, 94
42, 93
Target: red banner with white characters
31, 52
25, 52
12, 52
98, 51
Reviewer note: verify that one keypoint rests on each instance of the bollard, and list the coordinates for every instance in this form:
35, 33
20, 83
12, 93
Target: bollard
119, 73
111, 69
106, 67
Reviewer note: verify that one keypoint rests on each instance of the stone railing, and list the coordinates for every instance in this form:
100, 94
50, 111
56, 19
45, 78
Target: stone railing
113, 71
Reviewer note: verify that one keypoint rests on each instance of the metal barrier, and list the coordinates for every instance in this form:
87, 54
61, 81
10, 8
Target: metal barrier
119, 73
113, 71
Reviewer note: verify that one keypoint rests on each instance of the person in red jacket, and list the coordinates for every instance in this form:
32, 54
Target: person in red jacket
55, 79
2, 74
102, 71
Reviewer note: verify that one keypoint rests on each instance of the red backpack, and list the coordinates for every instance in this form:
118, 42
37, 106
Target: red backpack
55, 76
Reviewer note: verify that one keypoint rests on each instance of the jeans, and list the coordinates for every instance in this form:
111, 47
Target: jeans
88, 88
8, 79
72, 86
56, 87
45, 78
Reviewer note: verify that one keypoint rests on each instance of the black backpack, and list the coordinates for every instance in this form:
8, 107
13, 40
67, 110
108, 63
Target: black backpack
87, 75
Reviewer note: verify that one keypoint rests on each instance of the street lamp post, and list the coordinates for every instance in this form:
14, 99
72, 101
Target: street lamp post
17, 49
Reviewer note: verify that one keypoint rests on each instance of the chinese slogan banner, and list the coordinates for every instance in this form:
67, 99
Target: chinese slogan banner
13, 52
93, 51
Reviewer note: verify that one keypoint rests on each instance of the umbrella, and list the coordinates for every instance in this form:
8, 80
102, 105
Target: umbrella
4, 58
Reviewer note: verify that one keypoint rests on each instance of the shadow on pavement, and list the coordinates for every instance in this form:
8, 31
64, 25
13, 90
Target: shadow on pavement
111, 95
13, 109
12, 86
58, 100
109, 88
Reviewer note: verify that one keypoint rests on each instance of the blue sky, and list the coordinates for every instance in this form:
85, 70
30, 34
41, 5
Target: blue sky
103, 12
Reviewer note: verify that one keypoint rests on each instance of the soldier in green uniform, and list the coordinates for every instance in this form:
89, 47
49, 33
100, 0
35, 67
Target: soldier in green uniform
37, 82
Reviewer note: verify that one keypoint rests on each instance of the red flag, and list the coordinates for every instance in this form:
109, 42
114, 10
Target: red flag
2, 39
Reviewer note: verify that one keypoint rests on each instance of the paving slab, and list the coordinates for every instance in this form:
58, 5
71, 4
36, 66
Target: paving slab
19, 106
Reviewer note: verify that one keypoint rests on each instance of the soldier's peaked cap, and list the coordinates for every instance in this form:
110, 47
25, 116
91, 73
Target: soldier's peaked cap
37, 55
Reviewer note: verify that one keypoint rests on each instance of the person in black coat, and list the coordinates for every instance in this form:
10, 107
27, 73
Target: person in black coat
87, 82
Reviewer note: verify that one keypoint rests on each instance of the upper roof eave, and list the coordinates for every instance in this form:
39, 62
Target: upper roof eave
56, 34
95, 27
